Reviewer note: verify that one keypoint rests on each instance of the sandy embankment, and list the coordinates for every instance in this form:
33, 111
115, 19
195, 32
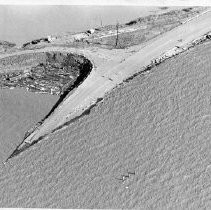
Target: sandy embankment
105, 78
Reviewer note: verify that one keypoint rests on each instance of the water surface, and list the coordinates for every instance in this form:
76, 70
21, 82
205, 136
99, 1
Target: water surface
19, 111
20, 24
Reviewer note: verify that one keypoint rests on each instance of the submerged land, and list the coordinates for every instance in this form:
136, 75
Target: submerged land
131, 132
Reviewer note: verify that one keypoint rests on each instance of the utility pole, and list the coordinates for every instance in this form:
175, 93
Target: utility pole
117, 33
101, 21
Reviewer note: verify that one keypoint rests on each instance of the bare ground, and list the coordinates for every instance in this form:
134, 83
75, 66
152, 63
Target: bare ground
156, 125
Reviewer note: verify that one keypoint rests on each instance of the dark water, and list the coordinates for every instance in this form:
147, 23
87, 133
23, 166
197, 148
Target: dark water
20, 24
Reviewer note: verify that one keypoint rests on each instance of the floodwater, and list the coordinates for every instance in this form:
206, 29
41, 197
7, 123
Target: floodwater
146, 146
19, 111
20, 24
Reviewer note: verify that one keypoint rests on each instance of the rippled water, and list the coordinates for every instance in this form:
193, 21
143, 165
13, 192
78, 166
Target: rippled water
156, 125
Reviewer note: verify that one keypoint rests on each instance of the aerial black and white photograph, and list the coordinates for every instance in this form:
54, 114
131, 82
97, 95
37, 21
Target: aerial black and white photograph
105, 104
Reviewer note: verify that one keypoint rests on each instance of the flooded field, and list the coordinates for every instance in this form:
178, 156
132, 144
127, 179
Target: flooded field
146, 146
19, 111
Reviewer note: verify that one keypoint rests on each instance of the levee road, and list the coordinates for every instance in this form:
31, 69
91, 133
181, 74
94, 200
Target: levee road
112, 68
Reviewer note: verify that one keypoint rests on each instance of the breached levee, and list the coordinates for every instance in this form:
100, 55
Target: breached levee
103, 80
77, 69
80, 68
